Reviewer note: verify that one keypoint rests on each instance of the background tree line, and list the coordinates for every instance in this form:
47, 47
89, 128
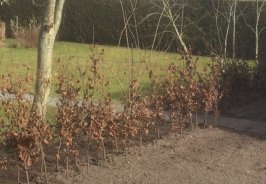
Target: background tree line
206, 26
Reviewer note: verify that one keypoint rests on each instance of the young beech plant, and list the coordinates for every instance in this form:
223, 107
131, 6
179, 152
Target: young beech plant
188, 92
86, 110
68, 115
25, 133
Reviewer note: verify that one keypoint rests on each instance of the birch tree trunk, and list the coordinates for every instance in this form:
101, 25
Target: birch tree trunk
259, 8
49, 28
257, 43
172, 18
234, 31
216, 11
228, 19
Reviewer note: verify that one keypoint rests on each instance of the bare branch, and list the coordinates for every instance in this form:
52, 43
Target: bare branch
8, 2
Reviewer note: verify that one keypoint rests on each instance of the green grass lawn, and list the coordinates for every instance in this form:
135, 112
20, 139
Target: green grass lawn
16, 61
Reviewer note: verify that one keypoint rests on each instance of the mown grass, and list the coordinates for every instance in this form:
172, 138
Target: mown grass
21, 61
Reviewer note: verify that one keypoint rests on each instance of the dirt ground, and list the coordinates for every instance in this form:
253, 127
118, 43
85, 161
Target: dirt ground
204, 156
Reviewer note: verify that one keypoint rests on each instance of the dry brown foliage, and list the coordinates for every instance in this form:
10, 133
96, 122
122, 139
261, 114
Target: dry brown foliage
26, 36
86, 110
23, 131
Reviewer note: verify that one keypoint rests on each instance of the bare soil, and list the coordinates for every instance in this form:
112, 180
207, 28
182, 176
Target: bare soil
203, 156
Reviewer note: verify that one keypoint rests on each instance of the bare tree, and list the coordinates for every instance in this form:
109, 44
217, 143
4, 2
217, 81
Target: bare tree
173, 17
228, 21
49, 28
234, 31
257, 28
222, 22
173, 11
216, 11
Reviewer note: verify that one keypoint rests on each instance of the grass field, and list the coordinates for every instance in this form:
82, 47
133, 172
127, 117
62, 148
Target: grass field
115, 59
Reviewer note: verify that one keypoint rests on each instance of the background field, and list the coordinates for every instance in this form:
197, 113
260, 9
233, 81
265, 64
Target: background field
115, 59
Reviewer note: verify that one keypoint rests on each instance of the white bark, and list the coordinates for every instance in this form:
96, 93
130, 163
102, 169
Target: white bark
257, 43
157, 28
2, 2
172, 18
227, 29
49, 29
234, 31
259, 8
258, 12
216, 15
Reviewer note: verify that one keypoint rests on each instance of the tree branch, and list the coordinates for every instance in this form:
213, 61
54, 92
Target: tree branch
58, 13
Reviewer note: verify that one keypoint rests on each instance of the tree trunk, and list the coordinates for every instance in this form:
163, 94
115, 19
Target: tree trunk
216, 10
180, 38
179, 35
234, 31
227, 31
44, 68
257, 45
49, 29
257, 32
225, 40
